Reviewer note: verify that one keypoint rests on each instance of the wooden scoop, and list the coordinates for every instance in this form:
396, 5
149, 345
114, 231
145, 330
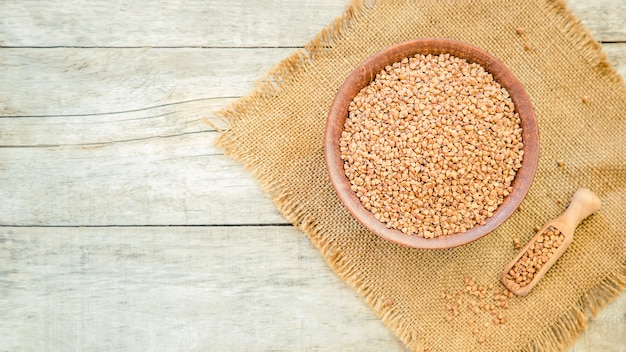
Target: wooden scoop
583, 204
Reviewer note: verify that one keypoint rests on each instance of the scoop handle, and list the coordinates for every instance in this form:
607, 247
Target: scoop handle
584, 203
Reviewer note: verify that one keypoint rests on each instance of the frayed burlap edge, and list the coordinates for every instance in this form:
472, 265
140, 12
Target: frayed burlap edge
579, 35
565, 329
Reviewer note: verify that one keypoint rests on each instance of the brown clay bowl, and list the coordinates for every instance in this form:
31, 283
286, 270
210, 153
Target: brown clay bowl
365, 73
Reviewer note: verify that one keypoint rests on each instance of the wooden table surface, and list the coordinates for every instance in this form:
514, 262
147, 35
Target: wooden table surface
122, 228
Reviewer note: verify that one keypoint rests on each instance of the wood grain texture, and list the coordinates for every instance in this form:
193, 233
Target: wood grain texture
99, 129
165, 23
236, 23
604, 18
71, 81
158, 180
176, 289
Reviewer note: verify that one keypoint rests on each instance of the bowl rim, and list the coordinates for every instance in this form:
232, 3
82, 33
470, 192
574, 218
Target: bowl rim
366, 72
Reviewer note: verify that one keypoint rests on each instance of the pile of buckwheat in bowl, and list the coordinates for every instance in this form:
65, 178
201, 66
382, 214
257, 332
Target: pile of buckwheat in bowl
429, 147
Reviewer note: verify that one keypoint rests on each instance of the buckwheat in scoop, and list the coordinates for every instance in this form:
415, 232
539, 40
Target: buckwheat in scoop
432, 145
542, 249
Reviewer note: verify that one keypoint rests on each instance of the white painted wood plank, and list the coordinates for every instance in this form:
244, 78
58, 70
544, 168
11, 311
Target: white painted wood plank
83, 130
606, 19
69, 81
177, 289
201, 23
165, 23
126, 94
193, 289
161, 180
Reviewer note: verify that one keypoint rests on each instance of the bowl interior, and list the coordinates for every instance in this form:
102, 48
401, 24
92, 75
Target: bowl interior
366, 72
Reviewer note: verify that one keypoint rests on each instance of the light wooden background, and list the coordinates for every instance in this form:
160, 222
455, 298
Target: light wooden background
124, 229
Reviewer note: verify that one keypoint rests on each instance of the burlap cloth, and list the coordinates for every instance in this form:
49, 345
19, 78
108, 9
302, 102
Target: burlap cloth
277, 132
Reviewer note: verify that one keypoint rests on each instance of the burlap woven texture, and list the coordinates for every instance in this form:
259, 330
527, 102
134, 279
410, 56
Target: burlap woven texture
277, 132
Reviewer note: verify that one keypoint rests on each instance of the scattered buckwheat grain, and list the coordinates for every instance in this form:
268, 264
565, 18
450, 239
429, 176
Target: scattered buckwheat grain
478, 305
432, 145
